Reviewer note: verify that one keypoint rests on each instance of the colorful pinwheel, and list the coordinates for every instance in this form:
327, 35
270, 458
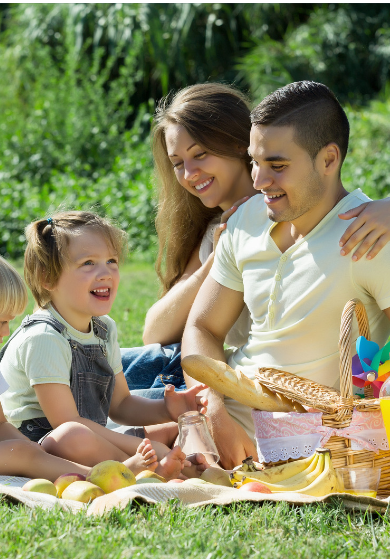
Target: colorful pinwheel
371, 365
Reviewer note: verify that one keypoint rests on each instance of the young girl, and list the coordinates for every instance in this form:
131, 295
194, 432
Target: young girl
18, 455
200, 140
63, 365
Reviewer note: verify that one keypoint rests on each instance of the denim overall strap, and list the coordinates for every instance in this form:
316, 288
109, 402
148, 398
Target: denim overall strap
27, 321
93, 380
36, 428
100, 328
36, 318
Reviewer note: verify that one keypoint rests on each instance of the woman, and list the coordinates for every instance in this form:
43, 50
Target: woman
200, 140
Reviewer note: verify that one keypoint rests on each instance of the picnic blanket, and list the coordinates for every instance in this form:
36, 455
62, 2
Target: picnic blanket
189, 495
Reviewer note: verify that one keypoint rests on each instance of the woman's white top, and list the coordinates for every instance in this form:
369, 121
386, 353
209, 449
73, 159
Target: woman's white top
239, 333
3, 384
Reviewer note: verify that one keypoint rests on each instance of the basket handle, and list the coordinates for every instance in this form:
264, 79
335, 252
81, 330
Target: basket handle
354, 306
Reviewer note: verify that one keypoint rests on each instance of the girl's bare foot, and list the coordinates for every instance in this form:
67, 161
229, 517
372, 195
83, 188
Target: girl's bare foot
145, 458
172, 464
197, 464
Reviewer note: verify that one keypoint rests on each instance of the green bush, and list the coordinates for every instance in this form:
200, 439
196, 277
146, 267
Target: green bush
124, 193
80, 82
65, 137
345, 46
368, 161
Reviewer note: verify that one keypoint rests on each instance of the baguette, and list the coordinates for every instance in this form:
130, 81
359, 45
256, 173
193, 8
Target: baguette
222, 378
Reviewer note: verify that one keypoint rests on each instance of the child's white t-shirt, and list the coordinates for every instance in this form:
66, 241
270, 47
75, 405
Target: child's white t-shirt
41, 355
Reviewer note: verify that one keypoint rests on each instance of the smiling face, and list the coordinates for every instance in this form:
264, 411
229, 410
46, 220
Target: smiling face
216, 181
89, 281
285, 173
5, 319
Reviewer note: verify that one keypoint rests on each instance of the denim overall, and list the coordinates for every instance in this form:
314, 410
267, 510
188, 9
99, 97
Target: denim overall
92, 379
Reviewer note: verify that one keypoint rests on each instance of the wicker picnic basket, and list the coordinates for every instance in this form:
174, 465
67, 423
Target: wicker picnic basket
337, 407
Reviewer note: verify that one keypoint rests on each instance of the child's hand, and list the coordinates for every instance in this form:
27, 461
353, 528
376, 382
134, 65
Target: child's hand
186, 400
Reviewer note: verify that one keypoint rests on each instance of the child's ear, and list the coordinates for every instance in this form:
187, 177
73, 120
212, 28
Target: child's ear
45, 284
48, 287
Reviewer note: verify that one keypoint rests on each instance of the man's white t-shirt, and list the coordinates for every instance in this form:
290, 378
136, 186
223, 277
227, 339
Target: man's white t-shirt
296, 298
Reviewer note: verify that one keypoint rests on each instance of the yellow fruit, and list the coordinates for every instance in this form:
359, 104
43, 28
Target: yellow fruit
299, 481
146, 474
276, 474
111, 475
143, 480
40, 486
216, 476
62, 482
196, 481
82, 491
325, 483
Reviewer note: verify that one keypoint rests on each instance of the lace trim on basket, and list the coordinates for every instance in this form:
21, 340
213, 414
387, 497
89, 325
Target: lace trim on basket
375, 437
281, 436
283, 448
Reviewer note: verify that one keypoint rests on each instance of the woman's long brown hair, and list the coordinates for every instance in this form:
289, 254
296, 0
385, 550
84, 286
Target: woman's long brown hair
216, 116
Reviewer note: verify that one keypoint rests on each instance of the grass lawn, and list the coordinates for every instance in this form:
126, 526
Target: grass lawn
237, 531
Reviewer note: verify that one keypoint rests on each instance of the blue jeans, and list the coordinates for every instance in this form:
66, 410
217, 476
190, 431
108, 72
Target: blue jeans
149, 368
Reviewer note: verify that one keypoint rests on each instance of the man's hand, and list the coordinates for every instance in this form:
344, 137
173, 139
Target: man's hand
186, 400
233, 443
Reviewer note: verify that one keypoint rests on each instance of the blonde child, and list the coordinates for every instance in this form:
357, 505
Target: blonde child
18, 455
63, 366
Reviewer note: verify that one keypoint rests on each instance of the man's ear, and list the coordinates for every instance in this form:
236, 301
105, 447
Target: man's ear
330, 159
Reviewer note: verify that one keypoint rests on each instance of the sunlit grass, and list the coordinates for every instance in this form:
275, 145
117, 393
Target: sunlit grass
242, 530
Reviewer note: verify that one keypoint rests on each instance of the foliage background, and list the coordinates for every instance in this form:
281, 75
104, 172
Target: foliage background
81, 82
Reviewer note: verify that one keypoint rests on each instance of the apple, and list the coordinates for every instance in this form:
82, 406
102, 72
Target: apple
111, 475
255, 486
176, 481
63, 481
40, 486
82, 491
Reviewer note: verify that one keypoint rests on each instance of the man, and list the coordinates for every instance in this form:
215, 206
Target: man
280, 256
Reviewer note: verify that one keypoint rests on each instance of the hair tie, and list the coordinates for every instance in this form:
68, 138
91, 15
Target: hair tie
49, 220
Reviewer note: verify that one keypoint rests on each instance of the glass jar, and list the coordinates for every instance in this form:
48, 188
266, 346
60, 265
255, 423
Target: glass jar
194, 436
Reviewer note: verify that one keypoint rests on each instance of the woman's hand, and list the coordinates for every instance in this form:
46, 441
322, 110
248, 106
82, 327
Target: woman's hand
372, 226
185, 400
224, 217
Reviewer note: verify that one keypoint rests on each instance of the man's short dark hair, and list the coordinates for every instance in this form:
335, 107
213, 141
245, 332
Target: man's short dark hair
312, 110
